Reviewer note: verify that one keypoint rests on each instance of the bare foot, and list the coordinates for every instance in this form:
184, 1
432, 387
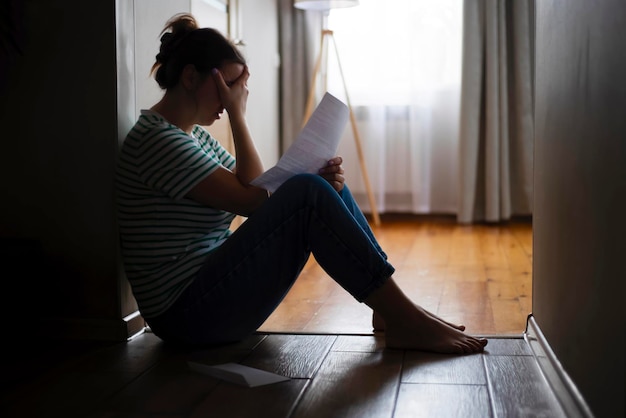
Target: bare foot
424, 332
410, 327
378, 323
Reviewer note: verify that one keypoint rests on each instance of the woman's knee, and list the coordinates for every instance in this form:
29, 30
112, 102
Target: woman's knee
306, 182
306, 190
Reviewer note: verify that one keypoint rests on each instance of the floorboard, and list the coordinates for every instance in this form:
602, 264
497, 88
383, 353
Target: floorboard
322, 339
353, 384
341, 375
518, 388
479, 275
442, 401
431, 368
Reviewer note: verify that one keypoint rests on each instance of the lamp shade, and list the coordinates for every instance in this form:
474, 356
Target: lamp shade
324, 4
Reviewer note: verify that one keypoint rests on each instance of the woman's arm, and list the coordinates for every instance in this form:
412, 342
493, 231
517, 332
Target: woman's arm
231, 190
234, 99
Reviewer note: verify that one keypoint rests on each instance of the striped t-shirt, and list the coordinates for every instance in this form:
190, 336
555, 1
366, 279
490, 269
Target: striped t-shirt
165, 236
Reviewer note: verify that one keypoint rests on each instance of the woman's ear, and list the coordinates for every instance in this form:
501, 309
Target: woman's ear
189, 77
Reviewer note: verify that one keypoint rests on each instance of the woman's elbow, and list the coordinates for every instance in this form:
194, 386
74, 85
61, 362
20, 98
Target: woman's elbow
257, 198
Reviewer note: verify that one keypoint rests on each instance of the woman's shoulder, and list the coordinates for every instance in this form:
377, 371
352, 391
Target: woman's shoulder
201, 134
204, 137
152, 126
150, 120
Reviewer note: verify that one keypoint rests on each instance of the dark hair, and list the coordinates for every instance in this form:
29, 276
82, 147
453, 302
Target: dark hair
183, 43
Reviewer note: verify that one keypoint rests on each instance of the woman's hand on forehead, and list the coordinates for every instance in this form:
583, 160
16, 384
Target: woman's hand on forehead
234, 92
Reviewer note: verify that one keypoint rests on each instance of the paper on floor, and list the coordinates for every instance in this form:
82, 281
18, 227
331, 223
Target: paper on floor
238, 374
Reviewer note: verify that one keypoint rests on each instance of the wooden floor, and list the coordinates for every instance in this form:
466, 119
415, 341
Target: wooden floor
330, 376
322, 340
479, 275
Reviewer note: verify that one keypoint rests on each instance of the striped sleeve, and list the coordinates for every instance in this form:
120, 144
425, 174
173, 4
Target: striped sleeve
213, 146
174, 163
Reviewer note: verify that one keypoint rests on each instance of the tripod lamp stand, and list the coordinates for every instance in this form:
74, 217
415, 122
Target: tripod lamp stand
326, 37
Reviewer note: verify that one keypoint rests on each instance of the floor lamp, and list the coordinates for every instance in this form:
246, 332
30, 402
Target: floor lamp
326, 37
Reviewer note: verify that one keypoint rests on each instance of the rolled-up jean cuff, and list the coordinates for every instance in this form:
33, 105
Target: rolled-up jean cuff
384, 276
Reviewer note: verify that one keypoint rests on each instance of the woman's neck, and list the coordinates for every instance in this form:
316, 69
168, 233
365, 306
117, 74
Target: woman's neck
174, 113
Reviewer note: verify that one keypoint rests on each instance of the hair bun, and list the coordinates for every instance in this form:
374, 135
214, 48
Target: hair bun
184, 43
169, 42
167, 37
176, 29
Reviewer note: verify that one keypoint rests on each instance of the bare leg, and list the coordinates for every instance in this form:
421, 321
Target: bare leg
408, 326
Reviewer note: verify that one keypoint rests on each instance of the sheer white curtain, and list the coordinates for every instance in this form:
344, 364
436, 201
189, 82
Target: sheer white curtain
402, 63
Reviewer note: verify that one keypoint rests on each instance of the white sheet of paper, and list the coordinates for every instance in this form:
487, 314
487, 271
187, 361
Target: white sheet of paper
238, 374
315, 145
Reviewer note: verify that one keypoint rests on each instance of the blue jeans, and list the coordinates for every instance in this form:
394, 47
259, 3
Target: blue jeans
243, 281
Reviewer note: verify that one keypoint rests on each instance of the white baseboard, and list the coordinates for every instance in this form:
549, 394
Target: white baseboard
564, 388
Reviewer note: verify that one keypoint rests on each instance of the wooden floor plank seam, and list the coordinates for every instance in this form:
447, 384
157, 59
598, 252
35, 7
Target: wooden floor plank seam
490, 393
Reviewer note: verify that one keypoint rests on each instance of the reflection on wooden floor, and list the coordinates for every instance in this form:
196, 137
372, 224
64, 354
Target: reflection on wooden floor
479, 275
330, 376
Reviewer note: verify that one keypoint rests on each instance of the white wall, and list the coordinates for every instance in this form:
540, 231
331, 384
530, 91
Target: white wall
150, 18
259, 31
